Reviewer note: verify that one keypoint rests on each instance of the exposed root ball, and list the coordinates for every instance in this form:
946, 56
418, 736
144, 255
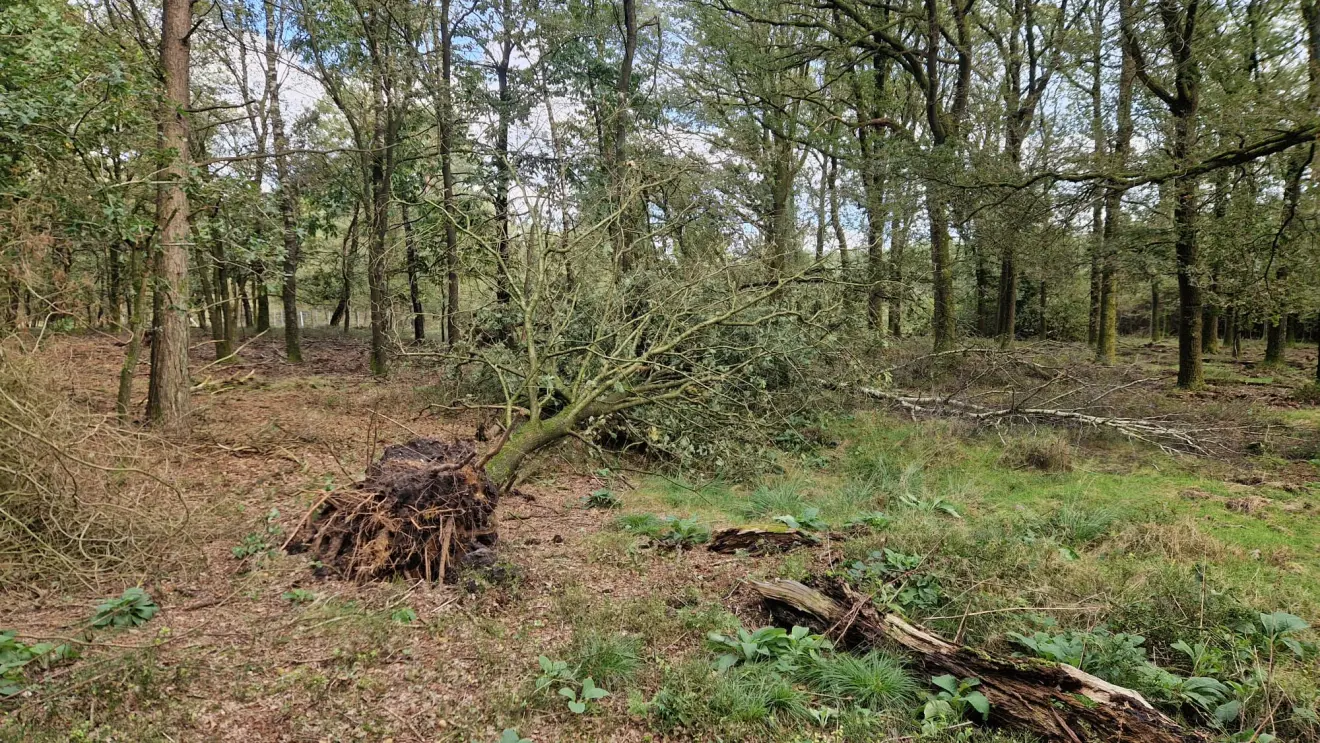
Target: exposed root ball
424, 510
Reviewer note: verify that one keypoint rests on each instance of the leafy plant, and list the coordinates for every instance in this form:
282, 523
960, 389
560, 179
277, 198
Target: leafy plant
510, 735
681, 533
951, 703
1117, 657
16, 655
299, 596
580, 698
554, 672
934, 504
403, 615
900, 586
603, 499
785, 648
134, 607
260, 543
1281, 628
808, 519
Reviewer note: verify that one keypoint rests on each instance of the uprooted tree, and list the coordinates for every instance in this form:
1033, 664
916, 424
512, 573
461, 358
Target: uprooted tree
569, 355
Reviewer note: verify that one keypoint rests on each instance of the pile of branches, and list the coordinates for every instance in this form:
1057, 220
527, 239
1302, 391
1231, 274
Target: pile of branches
82, 499
424, 511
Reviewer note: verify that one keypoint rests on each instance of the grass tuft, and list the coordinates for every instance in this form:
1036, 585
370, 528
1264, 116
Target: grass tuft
876, 680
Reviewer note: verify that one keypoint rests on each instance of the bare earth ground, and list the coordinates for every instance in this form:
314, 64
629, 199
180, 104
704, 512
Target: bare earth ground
231, 658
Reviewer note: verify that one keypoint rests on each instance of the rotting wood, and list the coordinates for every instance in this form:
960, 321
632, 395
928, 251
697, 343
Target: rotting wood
1055, 701
759, 541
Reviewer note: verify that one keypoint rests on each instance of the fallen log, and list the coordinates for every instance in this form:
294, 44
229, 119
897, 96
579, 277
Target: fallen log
759, 541
1168, 438
1055, 701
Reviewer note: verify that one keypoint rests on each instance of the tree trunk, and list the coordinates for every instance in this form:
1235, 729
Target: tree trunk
898, 229
447, 125
1274, 335
503, 168
1006, 323
943, 320
263, 296
1043, 331
1106, 348
136, 329
414, 287
169, 403
1155, 310
623, 228
287, 197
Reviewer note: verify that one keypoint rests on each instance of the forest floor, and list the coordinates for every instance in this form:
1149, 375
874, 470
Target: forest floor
1016, 529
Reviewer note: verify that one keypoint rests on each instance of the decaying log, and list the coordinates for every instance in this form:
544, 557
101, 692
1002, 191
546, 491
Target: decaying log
1055, 701
758, 541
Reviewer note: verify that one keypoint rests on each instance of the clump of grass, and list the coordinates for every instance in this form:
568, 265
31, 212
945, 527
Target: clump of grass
876, 680
772, 500
1308, 393
1079, 525
609, 658
756, 694
643, 524
1045, 453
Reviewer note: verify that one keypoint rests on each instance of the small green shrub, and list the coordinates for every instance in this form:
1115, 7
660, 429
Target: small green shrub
786, 649
952, 703
133, 608
260, 543
403, 615
16, 656
896, 581
299, 596
874, 520
603, 499
680, 533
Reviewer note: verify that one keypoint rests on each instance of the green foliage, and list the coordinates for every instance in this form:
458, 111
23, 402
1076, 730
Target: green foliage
876, 680
1281, 628
604, 499
786, 649
16, 656
579, 699
403, 615
932, 504
896, 581
299, 596
643, 524
808, 519
952, 703
1080, 526
669, 531
610, 658
1116, 657
510, 735
133, 608
260, 543
769, 500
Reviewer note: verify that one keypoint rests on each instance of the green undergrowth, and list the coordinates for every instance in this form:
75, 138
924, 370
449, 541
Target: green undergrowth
1020, 539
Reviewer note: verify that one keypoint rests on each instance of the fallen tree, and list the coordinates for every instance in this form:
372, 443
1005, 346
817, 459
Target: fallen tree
1157, 433
1055, 701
